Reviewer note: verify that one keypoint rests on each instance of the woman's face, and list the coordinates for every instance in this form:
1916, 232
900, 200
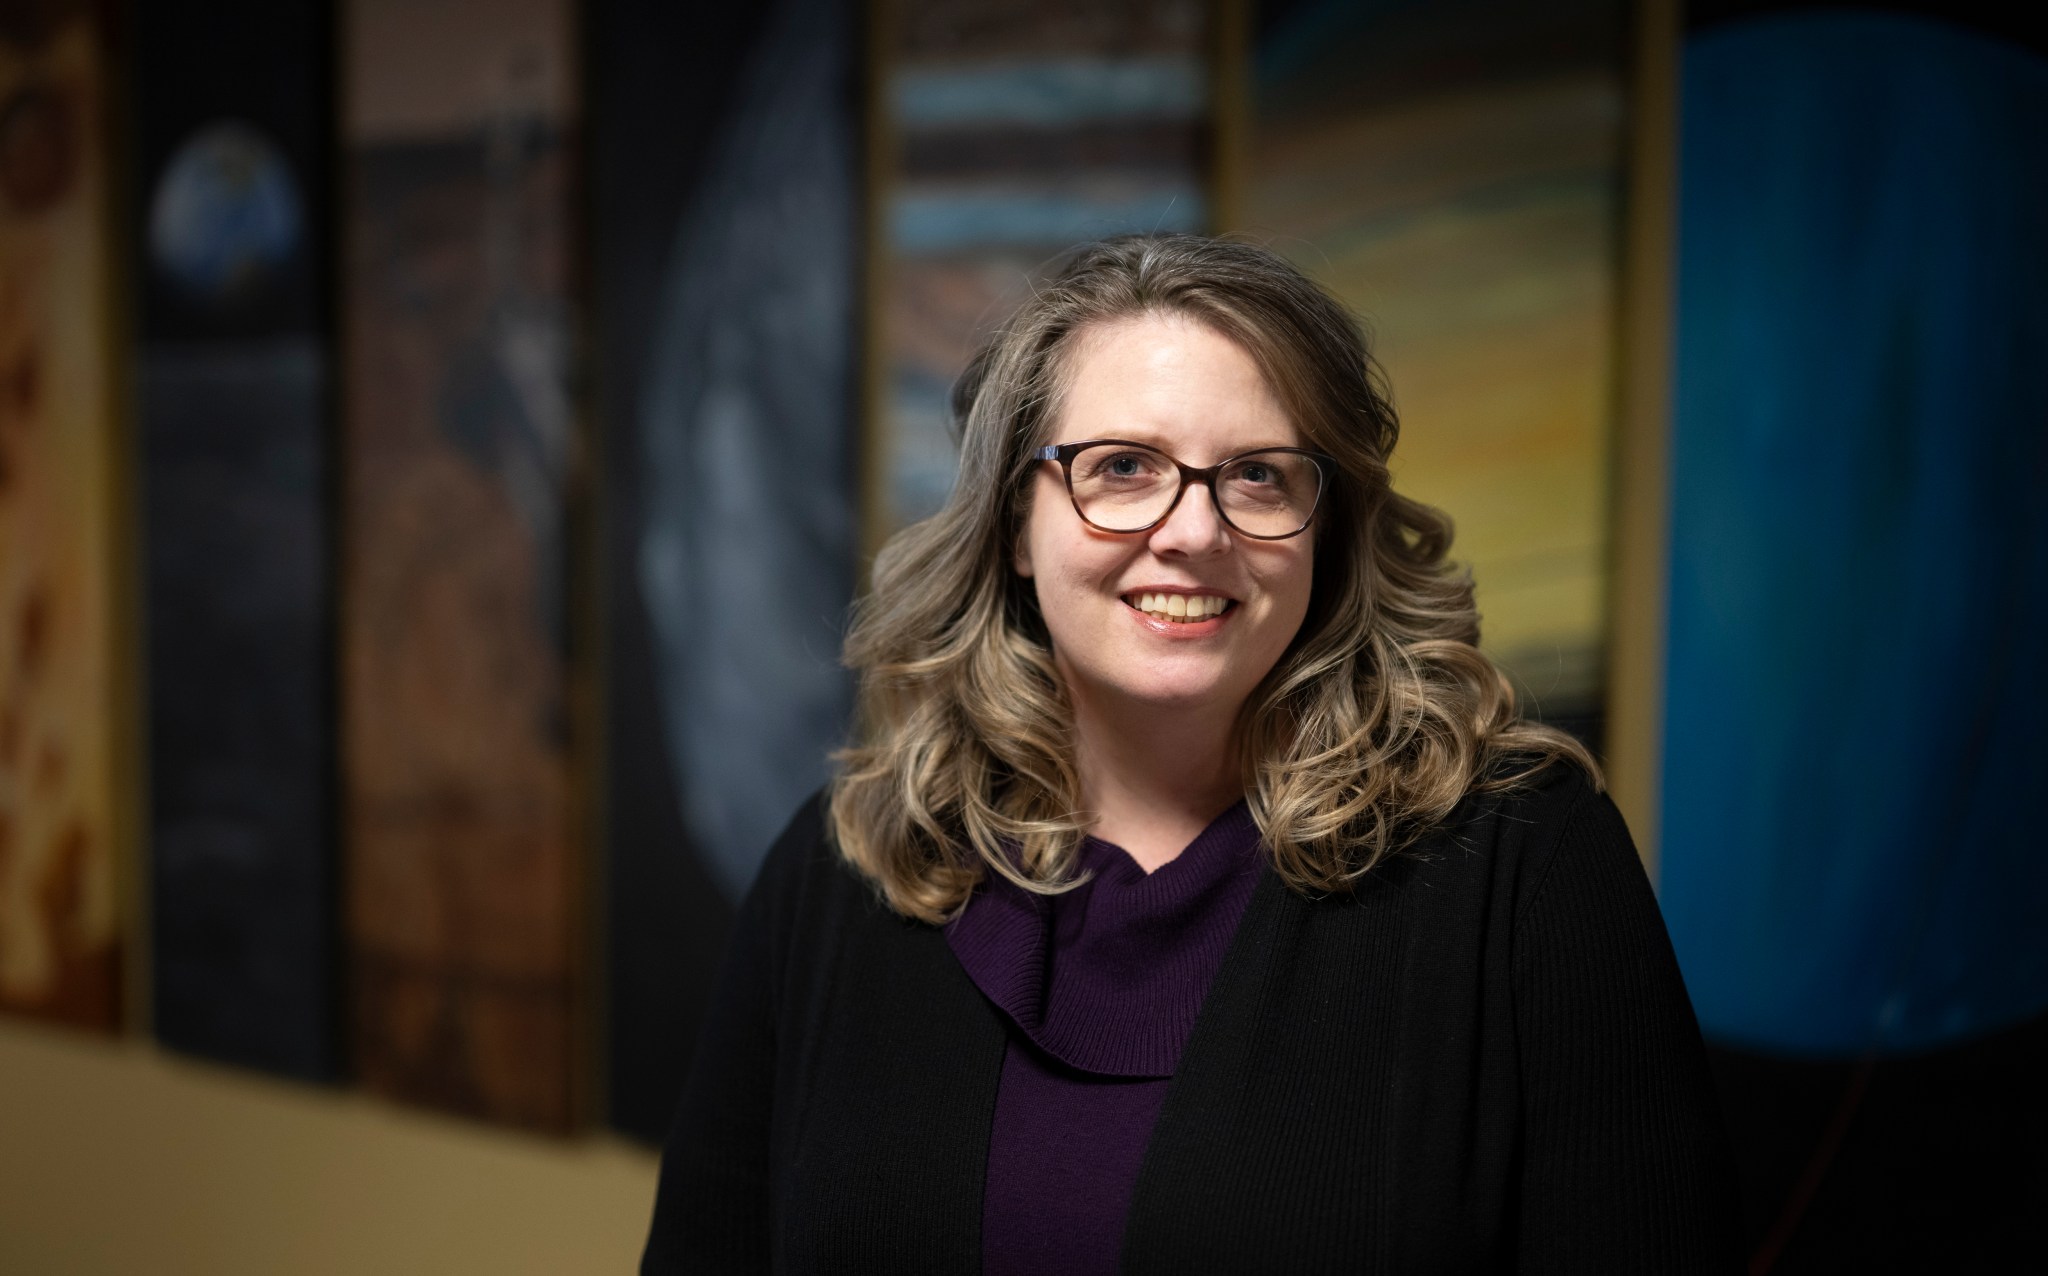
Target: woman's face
1195, 394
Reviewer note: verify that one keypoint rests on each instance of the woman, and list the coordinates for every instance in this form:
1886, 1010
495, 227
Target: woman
1192, 898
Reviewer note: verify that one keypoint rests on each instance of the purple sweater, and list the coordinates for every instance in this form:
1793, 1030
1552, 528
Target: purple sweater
1101, 987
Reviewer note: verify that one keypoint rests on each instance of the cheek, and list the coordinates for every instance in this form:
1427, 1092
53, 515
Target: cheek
1064, 592
1044, 562
1307, 586
1066, 557
1292, 588
1037, 549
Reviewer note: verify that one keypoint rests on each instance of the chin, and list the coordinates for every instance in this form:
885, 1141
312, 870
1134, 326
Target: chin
1184, 693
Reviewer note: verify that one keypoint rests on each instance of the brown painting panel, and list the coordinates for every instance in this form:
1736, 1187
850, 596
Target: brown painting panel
462, 860
1016, 137
1169, 149
941, 308
60, 952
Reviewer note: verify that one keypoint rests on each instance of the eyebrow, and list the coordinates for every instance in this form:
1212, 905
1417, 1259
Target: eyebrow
1153, 440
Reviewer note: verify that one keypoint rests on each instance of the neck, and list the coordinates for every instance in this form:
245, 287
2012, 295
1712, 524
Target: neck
1155, 778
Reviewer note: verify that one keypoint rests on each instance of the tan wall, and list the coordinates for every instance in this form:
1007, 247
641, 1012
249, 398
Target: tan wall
119, 1157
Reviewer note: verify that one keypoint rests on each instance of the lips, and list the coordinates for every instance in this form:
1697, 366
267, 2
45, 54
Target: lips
1182, 608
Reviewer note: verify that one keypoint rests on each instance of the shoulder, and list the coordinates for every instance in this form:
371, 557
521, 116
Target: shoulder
1523, 820
805, 857
804, 880
804, 841
1572, 853
1531, 800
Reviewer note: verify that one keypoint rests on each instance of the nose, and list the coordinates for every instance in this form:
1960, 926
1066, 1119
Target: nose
1193, 529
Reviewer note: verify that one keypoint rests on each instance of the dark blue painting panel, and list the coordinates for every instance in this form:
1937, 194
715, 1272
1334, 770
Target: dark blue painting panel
1859, 564
240, 714
229, 234
725, 176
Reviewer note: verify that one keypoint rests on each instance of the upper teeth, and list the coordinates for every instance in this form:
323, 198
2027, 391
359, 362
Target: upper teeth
1181, 606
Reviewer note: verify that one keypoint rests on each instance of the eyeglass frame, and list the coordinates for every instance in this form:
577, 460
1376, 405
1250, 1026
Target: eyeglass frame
1064, 453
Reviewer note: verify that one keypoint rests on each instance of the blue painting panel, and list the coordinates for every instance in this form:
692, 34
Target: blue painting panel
1859, 562
241, 715
1058, 92
726, 222
746, 433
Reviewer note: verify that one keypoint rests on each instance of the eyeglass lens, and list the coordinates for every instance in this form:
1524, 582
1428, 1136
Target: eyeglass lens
1121, 488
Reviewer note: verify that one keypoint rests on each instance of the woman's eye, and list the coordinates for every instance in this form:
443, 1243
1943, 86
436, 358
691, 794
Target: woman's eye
1263, 474
1122, 465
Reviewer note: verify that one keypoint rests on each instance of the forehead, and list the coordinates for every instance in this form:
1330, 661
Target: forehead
1171, 381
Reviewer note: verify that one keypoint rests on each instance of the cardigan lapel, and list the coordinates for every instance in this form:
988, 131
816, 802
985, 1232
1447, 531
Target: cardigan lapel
1255, 1162
1218, 1058
1276, 1148
894, 1135
960, 1064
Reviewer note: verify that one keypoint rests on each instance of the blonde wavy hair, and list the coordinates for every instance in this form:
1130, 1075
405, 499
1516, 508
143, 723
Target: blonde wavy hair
1378, 718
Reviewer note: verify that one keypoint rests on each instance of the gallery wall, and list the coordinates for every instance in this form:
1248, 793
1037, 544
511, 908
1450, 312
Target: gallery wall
501, 473
440, 440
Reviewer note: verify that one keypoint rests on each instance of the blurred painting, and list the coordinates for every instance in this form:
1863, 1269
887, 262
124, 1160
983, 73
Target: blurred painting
230, 122
1453, 172
1021, 128
1850, 870
60, 949
726, 197
1858, 456
462, 859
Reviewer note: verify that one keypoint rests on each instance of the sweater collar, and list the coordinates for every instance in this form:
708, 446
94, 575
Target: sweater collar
1109, 977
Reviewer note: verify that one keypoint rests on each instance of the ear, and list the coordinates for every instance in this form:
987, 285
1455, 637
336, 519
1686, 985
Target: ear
1020, 557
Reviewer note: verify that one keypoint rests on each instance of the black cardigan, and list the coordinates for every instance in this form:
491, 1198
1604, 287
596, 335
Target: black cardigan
1483, 1060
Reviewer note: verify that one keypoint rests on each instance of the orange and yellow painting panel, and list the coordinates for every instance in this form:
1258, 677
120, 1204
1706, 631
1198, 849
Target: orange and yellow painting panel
1453, 172
59, 903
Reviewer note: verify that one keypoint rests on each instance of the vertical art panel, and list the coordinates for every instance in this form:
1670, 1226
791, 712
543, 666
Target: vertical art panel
230, 127
1859, 545
59, 912
726, 200
463, 911
1021, 128
1453, 172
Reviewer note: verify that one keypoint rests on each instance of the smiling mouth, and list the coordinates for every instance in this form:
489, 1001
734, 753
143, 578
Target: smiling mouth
1179, 609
